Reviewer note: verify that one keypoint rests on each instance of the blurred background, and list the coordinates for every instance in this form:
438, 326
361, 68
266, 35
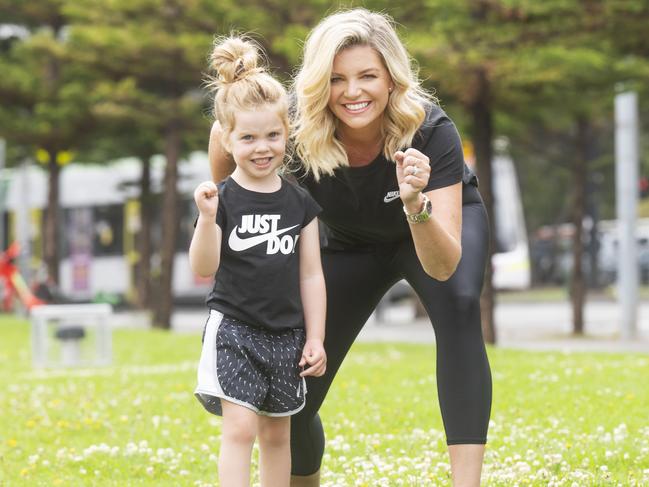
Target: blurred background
104, 122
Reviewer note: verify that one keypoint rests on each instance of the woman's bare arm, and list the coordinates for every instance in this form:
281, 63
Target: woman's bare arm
221, 163
437, 240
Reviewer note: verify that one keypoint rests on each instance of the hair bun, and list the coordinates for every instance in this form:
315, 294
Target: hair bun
234, 58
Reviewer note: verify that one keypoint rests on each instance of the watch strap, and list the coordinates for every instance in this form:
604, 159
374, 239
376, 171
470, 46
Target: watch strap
423, 214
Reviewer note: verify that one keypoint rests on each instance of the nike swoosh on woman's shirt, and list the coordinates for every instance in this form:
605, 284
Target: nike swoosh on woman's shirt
239, 244
391, 196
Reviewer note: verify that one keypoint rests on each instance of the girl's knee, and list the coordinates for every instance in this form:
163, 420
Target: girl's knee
239, 424
274, 432
239, 434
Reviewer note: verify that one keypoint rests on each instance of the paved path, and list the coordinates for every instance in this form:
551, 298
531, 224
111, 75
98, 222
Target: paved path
535, 326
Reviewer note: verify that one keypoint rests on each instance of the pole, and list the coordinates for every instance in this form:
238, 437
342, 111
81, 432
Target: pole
626, 198
23, 222
4, 185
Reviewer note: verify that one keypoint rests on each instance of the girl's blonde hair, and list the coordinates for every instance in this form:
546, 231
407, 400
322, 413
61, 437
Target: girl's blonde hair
315, 125
241, 84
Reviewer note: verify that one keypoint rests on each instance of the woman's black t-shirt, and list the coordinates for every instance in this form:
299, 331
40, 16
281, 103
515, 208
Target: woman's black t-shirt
361, 205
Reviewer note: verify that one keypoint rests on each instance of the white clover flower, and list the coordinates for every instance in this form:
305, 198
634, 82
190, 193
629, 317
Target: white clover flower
522, 468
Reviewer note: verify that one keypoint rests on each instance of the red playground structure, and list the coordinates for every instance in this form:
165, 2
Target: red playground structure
14, 284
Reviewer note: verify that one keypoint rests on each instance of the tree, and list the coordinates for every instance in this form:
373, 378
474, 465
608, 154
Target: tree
153, 52
575, 95
517, 58
466, 49
44, 104
125, 134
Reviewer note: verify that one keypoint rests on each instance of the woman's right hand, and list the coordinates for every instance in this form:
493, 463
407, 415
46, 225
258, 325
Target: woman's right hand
206, 197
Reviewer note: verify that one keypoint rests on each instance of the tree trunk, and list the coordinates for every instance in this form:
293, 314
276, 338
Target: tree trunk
480, 108
164, 305
52, 224
143, 268
579, 179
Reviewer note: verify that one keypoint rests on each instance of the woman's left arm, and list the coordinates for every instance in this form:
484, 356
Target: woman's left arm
438, 239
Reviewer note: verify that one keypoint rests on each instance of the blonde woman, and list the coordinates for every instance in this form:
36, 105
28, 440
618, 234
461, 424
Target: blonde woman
385, 163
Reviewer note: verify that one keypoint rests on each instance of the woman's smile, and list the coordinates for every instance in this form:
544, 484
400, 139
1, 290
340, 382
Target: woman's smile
358, 107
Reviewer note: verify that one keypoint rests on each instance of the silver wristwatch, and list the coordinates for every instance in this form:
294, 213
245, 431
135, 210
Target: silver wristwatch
424, 213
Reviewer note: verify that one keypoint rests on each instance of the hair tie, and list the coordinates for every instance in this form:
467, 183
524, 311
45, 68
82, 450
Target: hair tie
240, 69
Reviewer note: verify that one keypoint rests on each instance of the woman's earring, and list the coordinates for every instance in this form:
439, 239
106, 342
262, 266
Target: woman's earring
390, 89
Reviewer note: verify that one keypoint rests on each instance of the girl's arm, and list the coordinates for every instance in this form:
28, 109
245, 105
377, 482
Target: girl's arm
314, 300
221, 163
437, 240
205, 248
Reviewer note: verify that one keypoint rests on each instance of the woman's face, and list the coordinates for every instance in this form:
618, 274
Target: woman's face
360, 87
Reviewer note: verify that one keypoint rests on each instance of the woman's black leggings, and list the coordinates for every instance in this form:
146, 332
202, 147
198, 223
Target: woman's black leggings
356, 281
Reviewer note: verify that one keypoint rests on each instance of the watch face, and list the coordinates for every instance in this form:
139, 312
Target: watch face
428, 209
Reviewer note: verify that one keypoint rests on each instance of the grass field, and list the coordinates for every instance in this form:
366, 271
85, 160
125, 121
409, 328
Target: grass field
557, 419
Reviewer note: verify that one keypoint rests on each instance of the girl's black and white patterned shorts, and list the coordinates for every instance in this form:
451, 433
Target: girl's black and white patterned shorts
250, 366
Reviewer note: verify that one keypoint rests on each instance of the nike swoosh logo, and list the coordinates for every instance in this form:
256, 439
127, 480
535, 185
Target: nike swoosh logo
390, 197
239, 244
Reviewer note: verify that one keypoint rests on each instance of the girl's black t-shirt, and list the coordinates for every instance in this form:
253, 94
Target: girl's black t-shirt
258, 279
361, 205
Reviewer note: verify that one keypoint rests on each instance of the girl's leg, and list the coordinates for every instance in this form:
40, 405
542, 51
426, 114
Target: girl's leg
463, 374
238, 435
355, 284
274, 451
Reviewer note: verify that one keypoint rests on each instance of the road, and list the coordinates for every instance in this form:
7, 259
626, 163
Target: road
535, 326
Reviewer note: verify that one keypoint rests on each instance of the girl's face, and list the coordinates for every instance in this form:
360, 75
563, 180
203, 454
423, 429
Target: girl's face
258, 142
360, 87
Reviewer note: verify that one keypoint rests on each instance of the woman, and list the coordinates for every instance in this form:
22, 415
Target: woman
385, 163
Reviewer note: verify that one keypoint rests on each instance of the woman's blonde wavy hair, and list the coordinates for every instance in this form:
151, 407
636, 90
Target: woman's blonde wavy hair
315, 125
241, 84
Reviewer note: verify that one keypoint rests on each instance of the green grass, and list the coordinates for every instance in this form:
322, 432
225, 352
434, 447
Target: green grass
557, 419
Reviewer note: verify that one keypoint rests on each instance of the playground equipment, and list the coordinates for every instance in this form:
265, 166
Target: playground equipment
14, 284
71, 335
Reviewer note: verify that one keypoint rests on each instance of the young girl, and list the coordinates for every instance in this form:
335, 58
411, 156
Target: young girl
260, 233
